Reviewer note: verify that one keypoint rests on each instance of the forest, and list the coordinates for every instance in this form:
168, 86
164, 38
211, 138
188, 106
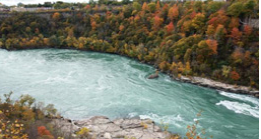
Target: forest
208, 39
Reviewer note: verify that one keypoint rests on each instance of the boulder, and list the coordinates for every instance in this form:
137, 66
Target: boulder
153, 76
107, 135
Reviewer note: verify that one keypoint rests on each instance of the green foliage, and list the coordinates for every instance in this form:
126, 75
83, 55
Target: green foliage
235, 9
83, 133
250, 9
26, 100
152, 7
214, 6
62, 5
198, 22
50, 110
136, 6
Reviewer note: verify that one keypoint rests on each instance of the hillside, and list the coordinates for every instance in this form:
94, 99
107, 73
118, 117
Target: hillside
207, 39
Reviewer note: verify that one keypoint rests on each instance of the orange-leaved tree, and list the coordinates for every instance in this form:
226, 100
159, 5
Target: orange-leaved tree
170, 27
44, 133
212, 45
234, 75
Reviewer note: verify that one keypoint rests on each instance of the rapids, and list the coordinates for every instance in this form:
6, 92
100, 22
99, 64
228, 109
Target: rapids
83, 84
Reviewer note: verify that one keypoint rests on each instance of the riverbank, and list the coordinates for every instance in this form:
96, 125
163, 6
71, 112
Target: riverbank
204, 82
26, 120
200, 81
71, 81
101, 127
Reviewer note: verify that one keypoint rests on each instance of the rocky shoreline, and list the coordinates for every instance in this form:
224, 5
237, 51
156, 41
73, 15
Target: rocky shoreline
101, 127
219, 85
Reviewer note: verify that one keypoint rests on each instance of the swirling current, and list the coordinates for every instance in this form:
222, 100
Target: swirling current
84, 84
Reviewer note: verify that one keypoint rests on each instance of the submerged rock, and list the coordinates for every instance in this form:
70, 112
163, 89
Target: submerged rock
153, 76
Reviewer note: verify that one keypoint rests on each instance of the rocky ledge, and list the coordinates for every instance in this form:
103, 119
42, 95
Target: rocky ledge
101, 127
219, 85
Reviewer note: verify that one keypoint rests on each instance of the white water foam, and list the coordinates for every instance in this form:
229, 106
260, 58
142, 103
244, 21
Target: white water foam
168, 119
56, 79
241, 108
240, 97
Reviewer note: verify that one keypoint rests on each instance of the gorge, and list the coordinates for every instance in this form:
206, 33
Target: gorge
85, 84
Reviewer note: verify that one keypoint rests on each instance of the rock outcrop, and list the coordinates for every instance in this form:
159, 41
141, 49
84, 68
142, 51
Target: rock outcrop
101, 127
219, 85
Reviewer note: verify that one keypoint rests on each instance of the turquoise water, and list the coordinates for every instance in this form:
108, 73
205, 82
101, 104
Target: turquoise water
83, 84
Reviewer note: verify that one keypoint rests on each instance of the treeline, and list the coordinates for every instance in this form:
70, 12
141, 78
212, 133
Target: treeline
55, 5
67, 5
208, 39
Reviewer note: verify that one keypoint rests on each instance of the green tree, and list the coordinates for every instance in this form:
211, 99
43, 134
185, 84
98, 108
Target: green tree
235, 9
198, 22
152, 7
136, 6
214, 6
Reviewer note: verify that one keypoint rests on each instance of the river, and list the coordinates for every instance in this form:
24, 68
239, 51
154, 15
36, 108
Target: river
83, 84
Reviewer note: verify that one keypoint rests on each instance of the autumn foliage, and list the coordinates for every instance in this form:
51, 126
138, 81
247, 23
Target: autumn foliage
157, 22
56, 16
19, 119
212, 44
170, 27
43, 132
87, 6
190, 38
236, 34
247, 30
234, 75
173, 12
193, 38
